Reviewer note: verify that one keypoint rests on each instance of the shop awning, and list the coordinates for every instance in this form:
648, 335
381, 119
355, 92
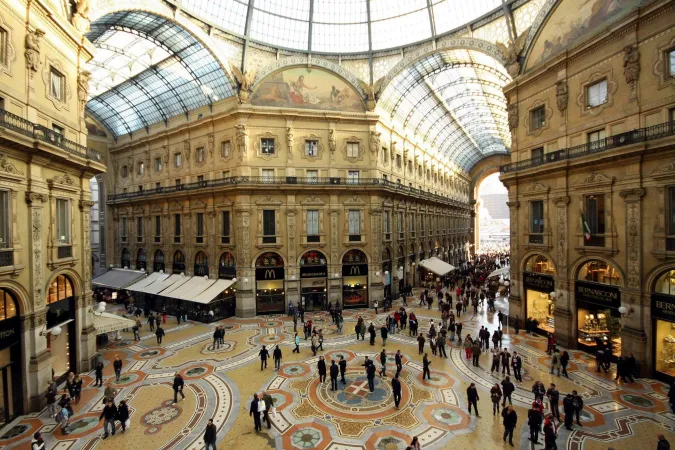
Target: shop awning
499, 272
211, 292
107, 323
164, 283
118, 278
437, 266
193, 287
154, 276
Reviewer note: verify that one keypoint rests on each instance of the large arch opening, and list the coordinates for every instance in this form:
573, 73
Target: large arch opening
492, 216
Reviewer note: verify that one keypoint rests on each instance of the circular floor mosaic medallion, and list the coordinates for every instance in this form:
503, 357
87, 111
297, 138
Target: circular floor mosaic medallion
638, 400
391, 443
446, 416
306, 438
83, 425
126, 378
155, 418
195, 371
16, 430
295, 370
120, 344
147, 354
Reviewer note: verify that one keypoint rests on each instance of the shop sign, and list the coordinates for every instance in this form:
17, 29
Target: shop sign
60, 311
352, 270
538, 282
313, 272
9, 332
269, 273
663, 307
599, 294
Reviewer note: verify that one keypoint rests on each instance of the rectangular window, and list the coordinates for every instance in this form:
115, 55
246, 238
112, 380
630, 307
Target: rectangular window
537, 154
312, 176
384, 177
125, 172
354, 219
5, 220
269, 222
158, 164
139, 229
268, 175
596, 94
671, 115
400, 224
387, 224
226, 149
141, 168
225, 174
124, 228
177, 227
178, 182
537, 222
58, 129
352, 149
63, 221
670, 222
267, 146
538, 117
594, 211
4, 47
670, 62
56, 84
352, 177
140, 188
399, 161
413, 219
596, 140
158, 226
201, 155
225, 225
311, 147
158, 185
199, 232
177, 159
200, 179
312, 224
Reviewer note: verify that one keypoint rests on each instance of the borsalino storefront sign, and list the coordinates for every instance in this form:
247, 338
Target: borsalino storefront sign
269, 273
538, 282
598, 294
354, 270
663, 307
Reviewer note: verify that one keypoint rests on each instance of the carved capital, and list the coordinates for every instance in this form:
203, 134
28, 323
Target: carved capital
35, 197
563, 201
86, 204
632, 195
513, 205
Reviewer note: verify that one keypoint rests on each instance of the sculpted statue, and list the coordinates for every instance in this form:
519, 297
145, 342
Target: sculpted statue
372, 92
242, 138
512, 52
561, 95
374, 141
83, 89
631, 65
332, 140
33, 42
81, 17
245, 80
513, 116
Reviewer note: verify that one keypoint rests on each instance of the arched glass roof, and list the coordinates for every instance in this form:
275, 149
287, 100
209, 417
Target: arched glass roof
148, 69
453, 101
339, 26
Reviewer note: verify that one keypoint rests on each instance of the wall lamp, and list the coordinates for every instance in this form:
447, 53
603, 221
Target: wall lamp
100, 309
625, 312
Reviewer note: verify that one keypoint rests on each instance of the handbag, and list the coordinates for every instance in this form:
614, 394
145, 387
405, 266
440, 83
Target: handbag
274, 411
127, 424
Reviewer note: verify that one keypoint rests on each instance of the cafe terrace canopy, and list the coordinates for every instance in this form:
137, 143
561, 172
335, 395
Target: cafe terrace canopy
108, 323
118, 278
437, 266
504, 271
193, 289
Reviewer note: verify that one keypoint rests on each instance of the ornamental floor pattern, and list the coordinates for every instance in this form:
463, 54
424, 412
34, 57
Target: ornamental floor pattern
220, 383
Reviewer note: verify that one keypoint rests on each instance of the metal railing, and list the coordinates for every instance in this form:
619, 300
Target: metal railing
309, 181
6, 258
65, 251
41, 133
590, 148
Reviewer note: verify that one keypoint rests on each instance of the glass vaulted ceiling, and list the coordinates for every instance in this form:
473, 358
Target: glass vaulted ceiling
339, 26
453, 101
146, 70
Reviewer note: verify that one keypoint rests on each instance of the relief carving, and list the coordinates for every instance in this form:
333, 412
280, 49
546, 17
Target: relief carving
37, 255
210, 144
244, 232
8, 167
245, 80
332, 140
374, 141
631, 65
83, 90
562, 95
633, 244
242, 140
291, 236
80, 19
513, 116
33, 50
512, 52
289, 142
372, 92
334, 235
64, 180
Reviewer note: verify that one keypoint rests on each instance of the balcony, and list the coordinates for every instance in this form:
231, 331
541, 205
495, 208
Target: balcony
225, 240
313, 238
41, 133
269, 239
6, 258
619, 140
288, 183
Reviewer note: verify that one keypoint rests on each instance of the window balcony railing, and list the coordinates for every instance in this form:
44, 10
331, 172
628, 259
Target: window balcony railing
269, 239
313, 238
176, 239
199, 239
618, 140
6, 258
65, 251
224, 239
158, 239
310, 181
20, 125
354, 238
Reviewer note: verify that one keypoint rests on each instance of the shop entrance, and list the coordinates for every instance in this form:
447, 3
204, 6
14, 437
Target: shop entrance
269, 277
61, 313
355, 279
313, 276
539, 284
663, 327
10, 358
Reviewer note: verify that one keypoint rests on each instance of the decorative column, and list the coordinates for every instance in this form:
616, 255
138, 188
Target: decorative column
84, 301
335, 268
634, 325
246, 306
375, 266
565, 320
292, 272
516, 307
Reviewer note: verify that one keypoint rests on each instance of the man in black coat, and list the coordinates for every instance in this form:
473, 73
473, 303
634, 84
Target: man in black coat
578, 403
333, 375
159, 332
472, 398
321, 365
343, 368
510, 420
399, 362
384, 333
370, 374
507, 390
426, 373
264, 354
210, 435
396, 389
506, 357
371, 330
383, 361
517, 364
568, 409
276, 354
534, 420
110, 413
178, 385
554, 399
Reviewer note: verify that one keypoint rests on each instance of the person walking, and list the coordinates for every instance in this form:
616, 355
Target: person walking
160, 334
123, 414
333, 375
370, 374
63, 417
440, 345
550, 435
37, 443
109, 393
398, 360
553, 396
98, 370
321, 367
517, 364
564, 361
383, 361
496, 359
426, 373
396, 389
663, 443
568, 409
507, 389
178, 385
578, 403
210, 434
109, 413
376, 304
510, 421
384, 333
297, 344
263, 354
77, 388
276, 354
432, 343
135, 328
555, 361
255, 411
415, 444
538, 390
371, 331
343, 368
50, 395
472, 398
151, 321
506, 358
269, 404
496, 396
420, 344
459, 332
216, 338
467, 346
117, 367
534, 421
315, 343
475, 353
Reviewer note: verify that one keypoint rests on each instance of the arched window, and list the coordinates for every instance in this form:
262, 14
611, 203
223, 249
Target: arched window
227, 267
178, 262
158, 261
539, 264
141, 259
665, 284
201, 264
313, 258
8, 308
269, 259
599, 272
126, 258
159, 256
354, 256
60, 289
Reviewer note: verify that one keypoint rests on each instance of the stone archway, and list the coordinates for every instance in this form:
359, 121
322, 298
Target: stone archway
478, 174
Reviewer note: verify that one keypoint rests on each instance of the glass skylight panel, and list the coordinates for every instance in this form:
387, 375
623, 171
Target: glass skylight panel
278, 30
228, 14
401, 30
340, 11
293, 9
337, 38
451, 14
386, 9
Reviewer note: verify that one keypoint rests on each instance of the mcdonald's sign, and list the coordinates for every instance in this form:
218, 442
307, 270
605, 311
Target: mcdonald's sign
351, 270
269, 273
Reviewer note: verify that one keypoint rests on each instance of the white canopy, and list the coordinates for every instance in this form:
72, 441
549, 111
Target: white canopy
154, 276
499, 272
211, 292
437, 266
164, 283
118, 278
107, 323
193, 287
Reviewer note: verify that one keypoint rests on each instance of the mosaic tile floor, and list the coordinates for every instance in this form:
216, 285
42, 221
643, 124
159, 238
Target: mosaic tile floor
220, 383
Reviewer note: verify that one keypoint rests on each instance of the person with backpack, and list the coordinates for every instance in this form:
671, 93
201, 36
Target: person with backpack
62, 418
109, 413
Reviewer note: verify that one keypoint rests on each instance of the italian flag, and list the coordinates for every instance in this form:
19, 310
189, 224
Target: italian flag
584, 226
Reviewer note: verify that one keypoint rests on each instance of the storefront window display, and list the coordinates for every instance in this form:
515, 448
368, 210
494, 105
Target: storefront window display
598, 300
354, 279
313, 276
10, 357
61, 312
663, 314
539, 283
269, 276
